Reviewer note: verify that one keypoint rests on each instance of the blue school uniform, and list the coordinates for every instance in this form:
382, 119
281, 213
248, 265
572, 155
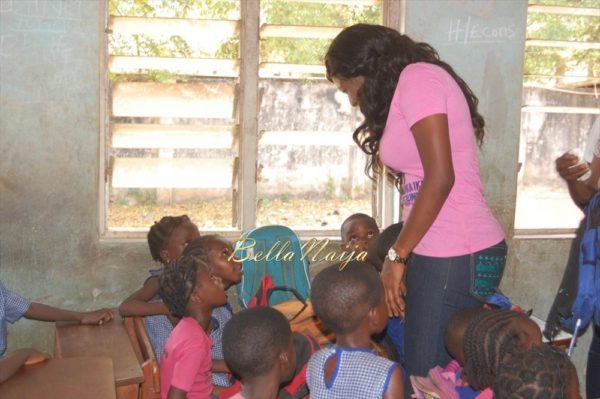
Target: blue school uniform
359, 374
12, 308
158, 326
220, 317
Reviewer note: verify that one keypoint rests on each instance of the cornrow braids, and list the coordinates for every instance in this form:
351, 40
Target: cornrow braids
489, 339
177, 282
200, 247
543, 372
160, 233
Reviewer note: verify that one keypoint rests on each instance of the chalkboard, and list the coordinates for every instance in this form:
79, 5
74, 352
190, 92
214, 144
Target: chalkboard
484, 41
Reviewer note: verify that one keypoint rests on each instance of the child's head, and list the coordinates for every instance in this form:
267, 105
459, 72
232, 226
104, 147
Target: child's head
491, 338
357, 231
345, 297
258, 341
168, 237
188, 282
454, 336
217, 253
542, 372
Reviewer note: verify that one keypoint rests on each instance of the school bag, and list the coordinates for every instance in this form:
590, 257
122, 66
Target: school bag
276, 251
586, 304
305, 344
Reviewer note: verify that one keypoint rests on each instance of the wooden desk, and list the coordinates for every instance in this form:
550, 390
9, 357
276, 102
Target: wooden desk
110, 340
69, 378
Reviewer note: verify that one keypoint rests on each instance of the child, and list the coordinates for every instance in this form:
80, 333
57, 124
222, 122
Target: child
217, 254
13, 307
357, 231
542, 372
166, 240
360, 233
191, 293
491, 338
480, 341
257, 344
350, 302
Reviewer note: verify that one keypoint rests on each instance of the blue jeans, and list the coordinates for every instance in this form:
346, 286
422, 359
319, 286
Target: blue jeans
436, 289
592, 379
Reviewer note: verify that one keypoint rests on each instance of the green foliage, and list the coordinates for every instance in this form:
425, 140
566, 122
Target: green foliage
288, 50
200, 9
285, 12
542, 64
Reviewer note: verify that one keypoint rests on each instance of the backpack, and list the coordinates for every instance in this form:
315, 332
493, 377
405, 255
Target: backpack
276, 251
305, 344
586, 305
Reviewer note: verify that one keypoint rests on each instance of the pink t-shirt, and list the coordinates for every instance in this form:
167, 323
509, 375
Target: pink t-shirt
465, 223
186, 361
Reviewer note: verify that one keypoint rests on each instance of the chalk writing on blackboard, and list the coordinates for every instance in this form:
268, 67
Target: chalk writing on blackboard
467, 31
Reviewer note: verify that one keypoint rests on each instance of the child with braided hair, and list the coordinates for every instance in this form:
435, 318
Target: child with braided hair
166, 240
479, 341
191, 292
217, 253
543, 372
491, 338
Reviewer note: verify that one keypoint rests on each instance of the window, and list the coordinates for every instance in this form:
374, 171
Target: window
561, 99
219, 109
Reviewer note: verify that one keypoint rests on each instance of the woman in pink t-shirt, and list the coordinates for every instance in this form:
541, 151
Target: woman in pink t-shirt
421, 122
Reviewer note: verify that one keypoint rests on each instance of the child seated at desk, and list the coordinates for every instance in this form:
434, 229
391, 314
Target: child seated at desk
191, 293
350, 302
13, 307
217, 253
258, 347
166, 240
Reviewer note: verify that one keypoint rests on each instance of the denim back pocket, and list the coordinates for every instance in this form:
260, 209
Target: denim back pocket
487, 267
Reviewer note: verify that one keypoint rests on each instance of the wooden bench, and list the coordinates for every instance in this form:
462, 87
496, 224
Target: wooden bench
150, 388
108, 340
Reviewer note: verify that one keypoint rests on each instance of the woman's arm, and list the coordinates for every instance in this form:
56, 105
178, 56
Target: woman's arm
433, 143
137, 303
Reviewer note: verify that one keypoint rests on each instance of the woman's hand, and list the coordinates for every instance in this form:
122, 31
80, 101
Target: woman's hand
393, 276
570, 167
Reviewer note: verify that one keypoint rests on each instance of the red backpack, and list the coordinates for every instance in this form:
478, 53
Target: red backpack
304, 344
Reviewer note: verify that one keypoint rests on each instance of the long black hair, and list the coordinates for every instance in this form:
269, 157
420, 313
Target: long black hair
379, 54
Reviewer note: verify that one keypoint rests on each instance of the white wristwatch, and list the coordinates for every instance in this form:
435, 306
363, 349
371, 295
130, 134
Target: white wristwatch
394, 257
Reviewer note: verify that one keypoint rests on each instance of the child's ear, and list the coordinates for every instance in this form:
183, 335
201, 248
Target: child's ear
196, 297
372, 317
164, 255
